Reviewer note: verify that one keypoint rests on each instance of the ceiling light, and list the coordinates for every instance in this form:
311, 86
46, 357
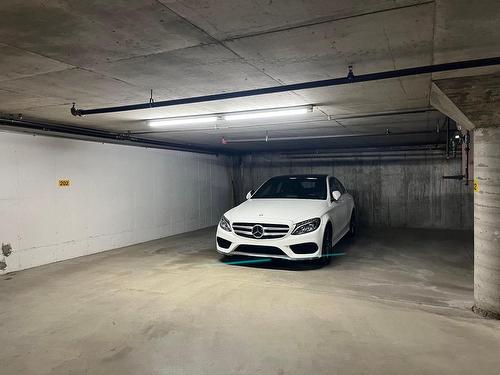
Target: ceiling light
267, 114
182, 121
234, 116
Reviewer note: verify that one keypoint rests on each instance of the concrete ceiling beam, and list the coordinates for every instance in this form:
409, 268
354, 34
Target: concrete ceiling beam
443, 104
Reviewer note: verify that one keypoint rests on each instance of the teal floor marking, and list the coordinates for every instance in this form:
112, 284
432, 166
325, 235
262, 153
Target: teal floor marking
264, 260
249, 261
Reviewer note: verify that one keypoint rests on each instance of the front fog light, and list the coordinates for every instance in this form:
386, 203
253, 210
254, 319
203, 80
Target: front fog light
224, 224
307, 226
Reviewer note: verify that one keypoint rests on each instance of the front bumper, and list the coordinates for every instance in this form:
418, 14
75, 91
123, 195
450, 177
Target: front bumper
284, 244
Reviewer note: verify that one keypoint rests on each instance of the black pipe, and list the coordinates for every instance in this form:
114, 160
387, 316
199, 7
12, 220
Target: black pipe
97, 134
386, 114
467, 150
384, 154
351, 78
447, 138
366, 149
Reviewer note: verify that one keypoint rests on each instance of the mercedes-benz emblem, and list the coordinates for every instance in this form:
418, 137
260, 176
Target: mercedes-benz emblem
258, 231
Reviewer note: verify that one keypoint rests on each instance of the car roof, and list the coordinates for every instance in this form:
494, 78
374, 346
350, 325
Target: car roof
302, 176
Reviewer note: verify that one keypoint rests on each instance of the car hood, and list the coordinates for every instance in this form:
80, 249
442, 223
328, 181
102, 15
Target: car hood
277, 210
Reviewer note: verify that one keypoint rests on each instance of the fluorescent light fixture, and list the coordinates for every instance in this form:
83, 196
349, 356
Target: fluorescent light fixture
182, 121
267, 114
235, 116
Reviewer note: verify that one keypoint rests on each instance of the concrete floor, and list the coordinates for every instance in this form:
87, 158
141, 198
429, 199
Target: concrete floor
397, 302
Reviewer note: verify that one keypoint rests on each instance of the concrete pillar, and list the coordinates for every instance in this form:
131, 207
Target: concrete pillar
487, 221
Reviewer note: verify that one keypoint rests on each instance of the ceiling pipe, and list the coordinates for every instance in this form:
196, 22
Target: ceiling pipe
267, 138
76, 132
384, 114
365, 149
436, 148
349, 79
381, 153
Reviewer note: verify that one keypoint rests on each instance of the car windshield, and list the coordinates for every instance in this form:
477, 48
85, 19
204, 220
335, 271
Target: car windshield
295, 187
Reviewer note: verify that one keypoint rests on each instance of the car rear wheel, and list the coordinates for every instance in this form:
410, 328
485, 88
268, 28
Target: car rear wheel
327, 248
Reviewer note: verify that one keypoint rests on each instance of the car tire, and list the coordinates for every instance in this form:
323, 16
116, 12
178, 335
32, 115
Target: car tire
352, 225
327, 248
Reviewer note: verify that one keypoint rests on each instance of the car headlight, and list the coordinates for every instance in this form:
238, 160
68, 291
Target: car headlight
224, 224
307, 226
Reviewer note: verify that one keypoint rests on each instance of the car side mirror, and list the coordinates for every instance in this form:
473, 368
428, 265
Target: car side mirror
250, 193
336, 195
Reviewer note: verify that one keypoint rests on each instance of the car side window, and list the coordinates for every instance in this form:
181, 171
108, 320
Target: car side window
341, 187
333, 186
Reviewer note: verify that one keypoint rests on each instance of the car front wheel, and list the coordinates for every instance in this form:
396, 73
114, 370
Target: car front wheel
327, 248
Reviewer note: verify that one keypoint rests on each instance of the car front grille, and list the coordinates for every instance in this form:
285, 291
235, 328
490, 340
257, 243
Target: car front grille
270, 231
261, 250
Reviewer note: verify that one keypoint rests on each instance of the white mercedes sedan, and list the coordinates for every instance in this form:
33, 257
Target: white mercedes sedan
295, 217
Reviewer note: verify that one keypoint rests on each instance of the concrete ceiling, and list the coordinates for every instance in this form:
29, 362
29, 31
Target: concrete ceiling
53, 53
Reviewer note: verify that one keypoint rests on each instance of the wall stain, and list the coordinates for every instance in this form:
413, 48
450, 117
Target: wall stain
6, 249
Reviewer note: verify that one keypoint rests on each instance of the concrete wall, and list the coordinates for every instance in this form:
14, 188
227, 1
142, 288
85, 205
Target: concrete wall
119, 195
395, 190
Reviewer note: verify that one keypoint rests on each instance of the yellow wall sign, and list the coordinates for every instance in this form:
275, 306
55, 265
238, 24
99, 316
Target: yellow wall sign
476, 185
64, 183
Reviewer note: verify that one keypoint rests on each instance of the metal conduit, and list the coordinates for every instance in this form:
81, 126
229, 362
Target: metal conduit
349, 79
307, 137
96, 134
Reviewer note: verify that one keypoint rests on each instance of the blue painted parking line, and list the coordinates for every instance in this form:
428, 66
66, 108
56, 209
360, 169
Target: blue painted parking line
250, 261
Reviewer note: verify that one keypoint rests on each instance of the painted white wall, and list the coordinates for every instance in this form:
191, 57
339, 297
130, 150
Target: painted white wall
119, 195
